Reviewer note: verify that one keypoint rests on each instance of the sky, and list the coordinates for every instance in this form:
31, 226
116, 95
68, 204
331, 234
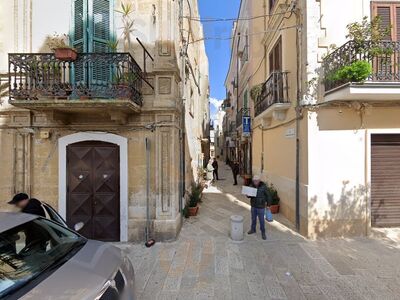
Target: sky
218, 51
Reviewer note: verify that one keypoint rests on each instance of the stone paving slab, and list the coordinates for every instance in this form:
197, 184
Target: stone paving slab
205, 264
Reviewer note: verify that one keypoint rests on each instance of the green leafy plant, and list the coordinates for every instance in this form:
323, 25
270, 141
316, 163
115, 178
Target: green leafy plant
357, 71
255, 91
195, 194
274, 195
368, 30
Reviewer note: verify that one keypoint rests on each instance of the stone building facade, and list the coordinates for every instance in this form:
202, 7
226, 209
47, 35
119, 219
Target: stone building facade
330, 147
115, 137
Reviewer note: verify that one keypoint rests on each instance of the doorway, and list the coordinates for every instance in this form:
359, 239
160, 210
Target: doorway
93, 189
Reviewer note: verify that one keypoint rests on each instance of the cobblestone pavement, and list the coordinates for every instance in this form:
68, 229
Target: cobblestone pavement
205, 264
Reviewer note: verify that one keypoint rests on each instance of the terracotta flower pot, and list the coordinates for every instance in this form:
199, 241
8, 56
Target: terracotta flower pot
65, 54
274, 209
193, 211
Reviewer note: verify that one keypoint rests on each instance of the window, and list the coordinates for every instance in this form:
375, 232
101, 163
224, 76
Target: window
275, 57
245, 100
92, 25
389, 14
272, 4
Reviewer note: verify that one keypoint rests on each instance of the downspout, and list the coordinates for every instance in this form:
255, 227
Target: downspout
237, 92
183, 116
298, 116
147, 230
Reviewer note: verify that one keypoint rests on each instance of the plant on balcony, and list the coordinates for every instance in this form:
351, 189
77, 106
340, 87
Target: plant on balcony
126, 10
255, 91
275, 199
357, 71
61, 50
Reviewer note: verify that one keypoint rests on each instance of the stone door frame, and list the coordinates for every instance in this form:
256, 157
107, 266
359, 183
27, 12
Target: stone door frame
122, 142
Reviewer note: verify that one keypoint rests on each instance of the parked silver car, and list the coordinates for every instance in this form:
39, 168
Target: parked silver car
41, 259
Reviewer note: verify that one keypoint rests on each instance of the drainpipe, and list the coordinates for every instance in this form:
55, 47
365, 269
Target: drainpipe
298, 116
183, 116
237, 95
147, 230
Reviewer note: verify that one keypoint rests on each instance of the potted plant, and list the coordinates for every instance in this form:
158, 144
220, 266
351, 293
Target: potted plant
194, 199
61, 50
275, 199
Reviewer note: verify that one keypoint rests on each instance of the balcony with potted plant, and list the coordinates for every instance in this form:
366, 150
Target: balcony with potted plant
365, 68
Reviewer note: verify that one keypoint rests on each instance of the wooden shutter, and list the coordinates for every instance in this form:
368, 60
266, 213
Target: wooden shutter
385, 179
389, 13
275, 57
100, 30
78, 39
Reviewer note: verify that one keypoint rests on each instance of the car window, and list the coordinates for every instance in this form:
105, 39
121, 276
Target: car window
30, 250
53, 215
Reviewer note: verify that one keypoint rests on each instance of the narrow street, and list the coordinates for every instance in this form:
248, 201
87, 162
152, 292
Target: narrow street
205, 264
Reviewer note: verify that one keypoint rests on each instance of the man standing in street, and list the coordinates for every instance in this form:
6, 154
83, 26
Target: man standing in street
235, 172
28, 205
215, 166
258, 203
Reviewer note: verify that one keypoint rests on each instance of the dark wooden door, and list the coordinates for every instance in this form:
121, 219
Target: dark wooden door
93, 192
385, 180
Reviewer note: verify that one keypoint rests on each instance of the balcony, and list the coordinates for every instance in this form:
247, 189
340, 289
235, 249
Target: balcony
273, 100
244, 112
367, 71
104, 81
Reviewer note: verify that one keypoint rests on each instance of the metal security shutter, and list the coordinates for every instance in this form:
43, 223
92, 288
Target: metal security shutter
385, 180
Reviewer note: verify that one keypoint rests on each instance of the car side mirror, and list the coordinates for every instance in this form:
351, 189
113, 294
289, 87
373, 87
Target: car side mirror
79, 226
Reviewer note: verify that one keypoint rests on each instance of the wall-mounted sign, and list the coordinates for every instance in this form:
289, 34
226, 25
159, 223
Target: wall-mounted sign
246, 126
290, 133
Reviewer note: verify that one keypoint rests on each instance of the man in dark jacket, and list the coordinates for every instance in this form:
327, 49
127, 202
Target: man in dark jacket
258, 205
215, 166
28, 205
235, 172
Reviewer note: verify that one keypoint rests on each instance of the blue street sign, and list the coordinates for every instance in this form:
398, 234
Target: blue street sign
246, 126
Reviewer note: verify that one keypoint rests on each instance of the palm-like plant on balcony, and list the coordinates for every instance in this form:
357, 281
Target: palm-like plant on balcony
126, 10
255, 92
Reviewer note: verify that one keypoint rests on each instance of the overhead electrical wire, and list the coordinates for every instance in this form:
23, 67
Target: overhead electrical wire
233, 19
249, 34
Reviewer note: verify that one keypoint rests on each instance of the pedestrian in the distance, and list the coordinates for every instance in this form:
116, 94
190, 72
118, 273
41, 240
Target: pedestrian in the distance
210, 170
235, 172
215, 171
258, 204
28, 205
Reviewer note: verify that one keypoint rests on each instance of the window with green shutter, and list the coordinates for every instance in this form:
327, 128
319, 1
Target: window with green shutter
91, 32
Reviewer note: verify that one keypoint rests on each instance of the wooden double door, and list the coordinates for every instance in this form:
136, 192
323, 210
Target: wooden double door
93, 191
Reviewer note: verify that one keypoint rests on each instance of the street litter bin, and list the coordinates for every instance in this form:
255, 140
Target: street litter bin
237, 228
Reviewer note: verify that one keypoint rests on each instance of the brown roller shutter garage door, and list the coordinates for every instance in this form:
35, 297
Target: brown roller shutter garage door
385, 180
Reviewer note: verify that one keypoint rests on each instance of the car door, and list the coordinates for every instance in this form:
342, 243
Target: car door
53, 215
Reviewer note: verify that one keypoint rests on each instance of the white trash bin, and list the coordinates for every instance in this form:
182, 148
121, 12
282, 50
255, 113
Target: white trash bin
237, 228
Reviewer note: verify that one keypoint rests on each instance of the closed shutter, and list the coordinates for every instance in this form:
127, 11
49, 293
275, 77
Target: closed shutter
92, 28
385, 180
100, 37
275, 57
78, 36
389, 14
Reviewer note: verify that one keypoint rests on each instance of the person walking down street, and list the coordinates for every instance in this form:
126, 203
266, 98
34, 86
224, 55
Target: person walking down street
210, 171
215, 171
28, 205
258, 204
235, 172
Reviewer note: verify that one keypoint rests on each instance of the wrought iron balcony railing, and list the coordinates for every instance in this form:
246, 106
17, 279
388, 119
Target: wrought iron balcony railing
274, 90
244, 112
90, 76
362, 61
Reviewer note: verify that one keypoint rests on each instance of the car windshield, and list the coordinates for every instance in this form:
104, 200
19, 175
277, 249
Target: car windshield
33, 249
